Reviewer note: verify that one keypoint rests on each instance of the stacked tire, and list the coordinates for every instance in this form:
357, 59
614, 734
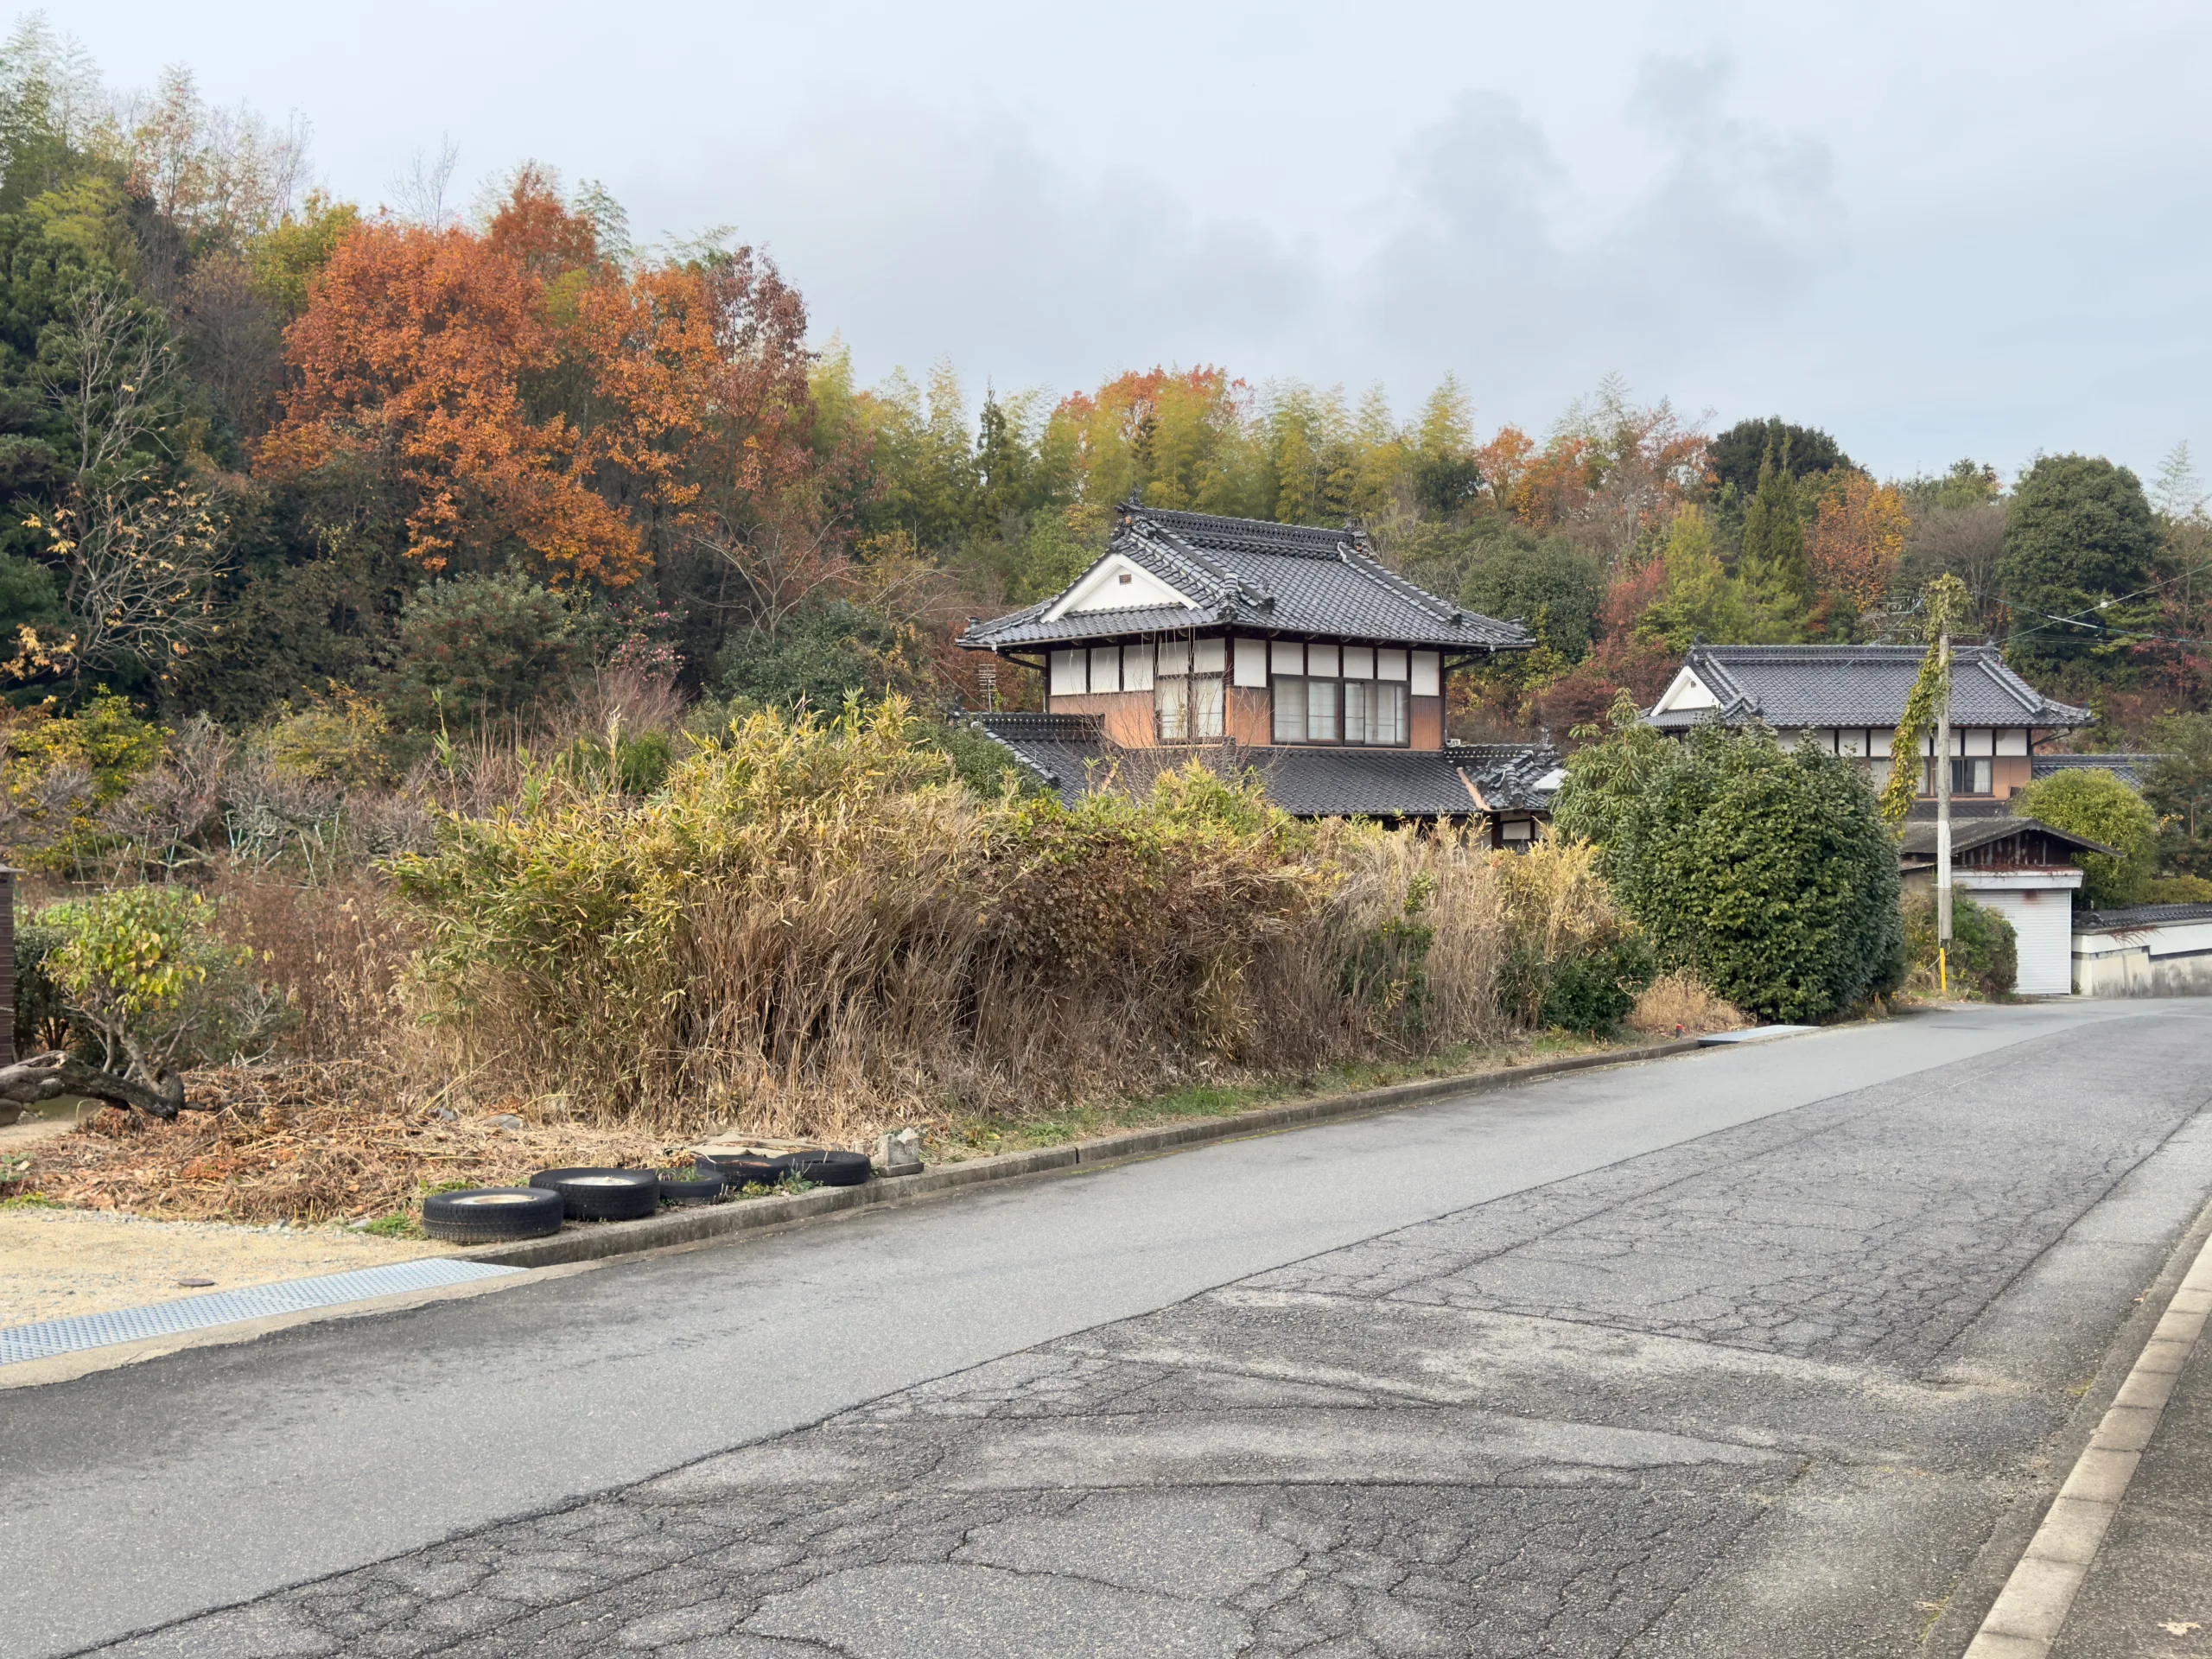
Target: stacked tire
738, 1171
821, 1167
703, 1186
828, 1168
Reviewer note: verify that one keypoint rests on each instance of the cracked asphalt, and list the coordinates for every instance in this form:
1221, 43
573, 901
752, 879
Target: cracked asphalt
1747, 1354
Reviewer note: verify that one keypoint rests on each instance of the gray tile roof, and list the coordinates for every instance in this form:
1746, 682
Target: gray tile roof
1071, 754
1790, 687
1273, 578
1512, 777
2143, 916
2128, 768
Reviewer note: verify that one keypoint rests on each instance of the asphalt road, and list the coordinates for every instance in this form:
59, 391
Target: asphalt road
1746, 1352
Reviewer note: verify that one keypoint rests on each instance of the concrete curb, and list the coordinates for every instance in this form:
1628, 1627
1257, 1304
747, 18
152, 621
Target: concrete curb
681, 1227
2031, 1609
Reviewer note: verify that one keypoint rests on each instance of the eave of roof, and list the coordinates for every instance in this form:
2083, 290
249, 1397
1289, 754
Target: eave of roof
1071, 754
1968, 834
2143, 916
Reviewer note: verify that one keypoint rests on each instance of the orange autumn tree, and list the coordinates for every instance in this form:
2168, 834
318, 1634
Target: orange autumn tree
1857, 540
1610, 474
522, 393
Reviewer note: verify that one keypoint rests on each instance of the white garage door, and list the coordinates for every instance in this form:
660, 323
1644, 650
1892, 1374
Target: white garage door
2043, 919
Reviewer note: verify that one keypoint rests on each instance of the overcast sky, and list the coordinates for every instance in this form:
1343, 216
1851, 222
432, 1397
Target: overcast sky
1935, 230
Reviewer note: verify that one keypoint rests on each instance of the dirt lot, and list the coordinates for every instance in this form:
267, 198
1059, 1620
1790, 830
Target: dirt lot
56, 1264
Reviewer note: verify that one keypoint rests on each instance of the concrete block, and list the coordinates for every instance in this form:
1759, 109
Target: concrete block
2035, 1601
2071, 1532
2101, 1476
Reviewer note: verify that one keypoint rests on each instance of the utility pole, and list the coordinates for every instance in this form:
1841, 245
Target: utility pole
1943, 813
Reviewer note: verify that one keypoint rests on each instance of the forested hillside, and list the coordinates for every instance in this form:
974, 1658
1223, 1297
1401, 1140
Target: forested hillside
267, 452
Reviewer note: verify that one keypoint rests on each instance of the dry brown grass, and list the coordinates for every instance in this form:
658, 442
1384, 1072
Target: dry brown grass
809, 934
310, 1141
335, 948
1679, 1004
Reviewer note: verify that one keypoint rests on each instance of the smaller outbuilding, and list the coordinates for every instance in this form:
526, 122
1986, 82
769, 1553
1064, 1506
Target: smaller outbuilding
2022, 869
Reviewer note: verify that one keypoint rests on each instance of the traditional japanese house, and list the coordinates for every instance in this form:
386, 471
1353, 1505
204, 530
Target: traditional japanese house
1287, 651
1850, 699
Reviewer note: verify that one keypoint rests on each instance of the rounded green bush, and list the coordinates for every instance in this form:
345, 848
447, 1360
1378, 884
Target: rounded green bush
1765, 870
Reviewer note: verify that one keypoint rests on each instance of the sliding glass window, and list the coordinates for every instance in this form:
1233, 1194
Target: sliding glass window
1368, 713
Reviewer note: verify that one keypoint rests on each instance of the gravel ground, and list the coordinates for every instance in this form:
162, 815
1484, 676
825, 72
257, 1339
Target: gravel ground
57, 1263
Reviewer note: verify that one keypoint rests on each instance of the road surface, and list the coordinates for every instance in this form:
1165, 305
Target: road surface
1744, 1352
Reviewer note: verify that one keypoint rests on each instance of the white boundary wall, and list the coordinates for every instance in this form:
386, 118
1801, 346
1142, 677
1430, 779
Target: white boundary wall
2171, 959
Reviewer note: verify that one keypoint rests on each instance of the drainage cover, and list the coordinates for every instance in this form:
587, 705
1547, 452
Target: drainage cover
51, 1336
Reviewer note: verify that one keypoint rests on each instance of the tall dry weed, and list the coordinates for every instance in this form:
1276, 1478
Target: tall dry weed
811, 924
335, 950
1680, 1004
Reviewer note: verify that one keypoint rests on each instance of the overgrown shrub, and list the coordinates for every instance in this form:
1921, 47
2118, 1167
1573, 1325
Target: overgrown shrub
2093, 802
1984, 954
1595, 992
812, 915
41, 1016
479, 648
819, 656
639, 765
2177, 890
1763, 869
1574, 961
62, 772
142, 973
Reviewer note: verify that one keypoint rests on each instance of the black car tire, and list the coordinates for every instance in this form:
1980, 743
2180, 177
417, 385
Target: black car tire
602, 1194
492, 1214
702, 1188
738, 1172
828, 1168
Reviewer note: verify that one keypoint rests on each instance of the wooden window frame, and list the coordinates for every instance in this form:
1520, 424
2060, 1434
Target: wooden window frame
1160, 683
1339, 741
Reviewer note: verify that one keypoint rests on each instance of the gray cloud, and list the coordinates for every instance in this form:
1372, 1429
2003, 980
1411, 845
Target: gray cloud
1932, 227
918, 236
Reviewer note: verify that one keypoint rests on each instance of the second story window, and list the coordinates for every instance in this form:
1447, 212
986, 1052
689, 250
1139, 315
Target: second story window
1352, 695
1375, 712
1187, 698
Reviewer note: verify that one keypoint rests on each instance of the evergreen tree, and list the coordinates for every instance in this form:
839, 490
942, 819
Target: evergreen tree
2079, 545
1772, 564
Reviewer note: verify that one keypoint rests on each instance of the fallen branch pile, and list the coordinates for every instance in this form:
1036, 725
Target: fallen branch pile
306, 1141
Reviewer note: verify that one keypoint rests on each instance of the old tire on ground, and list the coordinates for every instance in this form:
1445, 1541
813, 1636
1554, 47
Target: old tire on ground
704, 1187
828, 1168
602, 1194
737, 1172
492, 1214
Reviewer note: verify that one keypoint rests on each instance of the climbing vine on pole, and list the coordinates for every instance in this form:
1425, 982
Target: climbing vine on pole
1946, 603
